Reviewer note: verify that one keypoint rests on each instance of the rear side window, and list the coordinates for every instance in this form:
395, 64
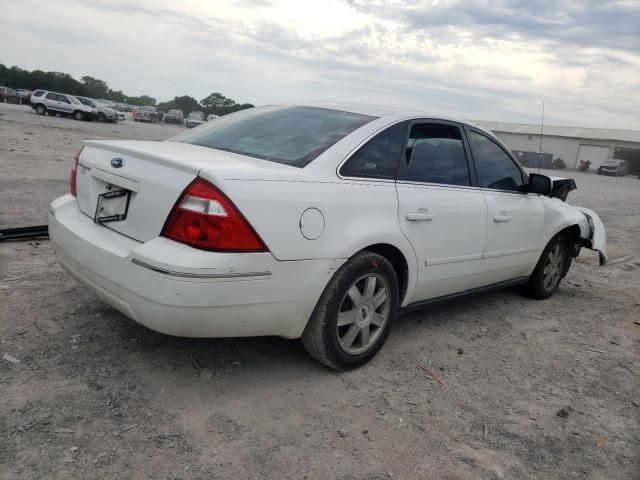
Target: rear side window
378, 158
435, 154
495, 168
288, 135
38, 93
52, 96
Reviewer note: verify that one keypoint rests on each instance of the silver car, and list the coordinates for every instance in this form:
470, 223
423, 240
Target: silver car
53, 103
615, 167
194, 119
105, 114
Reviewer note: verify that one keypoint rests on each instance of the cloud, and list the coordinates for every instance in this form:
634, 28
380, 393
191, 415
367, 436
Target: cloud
494, 60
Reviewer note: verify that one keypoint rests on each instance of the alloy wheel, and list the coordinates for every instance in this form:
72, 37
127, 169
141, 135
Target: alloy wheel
363, 314
553, 268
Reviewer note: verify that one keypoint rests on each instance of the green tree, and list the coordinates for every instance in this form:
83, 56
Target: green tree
95, 87
218, 104
142, 100
184, 103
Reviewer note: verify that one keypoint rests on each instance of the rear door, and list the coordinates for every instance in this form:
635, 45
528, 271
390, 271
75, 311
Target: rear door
441, 211
64, 104
53, 103
515, 220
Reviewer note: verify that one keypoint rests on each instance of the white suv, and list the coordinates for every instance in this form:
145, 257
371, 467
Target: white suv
59, 103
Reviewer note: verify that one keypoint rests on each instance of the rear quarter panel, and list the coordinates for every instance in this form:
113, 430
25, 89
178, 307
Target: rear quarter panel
357, 214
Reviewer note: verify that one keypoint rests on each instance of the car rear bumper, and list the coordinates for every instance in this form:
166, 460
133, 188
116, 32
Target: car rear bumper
233, 295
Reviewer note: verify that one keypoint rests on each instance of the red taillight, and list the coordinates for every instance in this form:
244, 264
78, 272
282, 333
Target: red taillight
203, 217
73, 188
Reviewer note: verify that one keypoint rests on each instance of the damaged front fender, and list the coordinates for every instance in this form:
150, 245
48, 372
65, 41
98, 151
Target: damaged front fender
598, 236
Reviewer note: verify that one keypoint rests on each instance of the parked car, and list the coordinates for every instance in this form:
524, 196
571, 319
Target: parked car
105, 114
34, 96
54, 103
9, 95
194, 119
211, 116
145, 114
23, 95
312, 221
615, 166
108, 103
174, 116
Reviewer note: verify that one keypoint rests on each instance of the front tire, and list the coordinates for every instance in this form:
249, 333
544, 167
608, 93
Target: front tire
550, 269
78, 115
102, 118
353, 317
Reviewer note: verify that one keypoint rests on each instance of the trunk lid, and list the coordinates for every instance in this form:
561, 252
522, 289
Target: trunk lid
155, 174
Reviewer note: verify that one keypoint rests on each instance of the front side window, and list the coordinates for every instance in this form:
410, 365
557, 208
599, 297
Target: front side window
495, 168
435, 154
289, 135
378, 158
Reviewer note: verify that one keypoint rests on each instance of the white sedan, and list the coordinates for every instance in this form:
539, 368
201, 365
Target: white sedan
312, 221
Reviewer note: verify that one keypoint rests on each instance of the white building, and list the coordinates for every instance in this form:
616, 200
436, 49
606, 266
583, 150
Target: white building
571, 144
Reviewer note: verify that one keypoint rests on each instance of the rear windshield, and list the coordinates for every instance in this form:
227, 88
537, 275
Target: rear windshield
289, 135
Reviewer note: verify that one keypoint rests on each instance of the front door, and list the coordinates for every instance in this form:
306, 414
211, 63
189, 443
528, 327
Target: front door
515, 219
441, 213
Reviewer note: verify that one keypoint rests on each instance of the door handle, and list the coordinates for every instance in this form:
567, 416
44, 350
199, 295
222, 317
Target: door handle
501, 218
420, 216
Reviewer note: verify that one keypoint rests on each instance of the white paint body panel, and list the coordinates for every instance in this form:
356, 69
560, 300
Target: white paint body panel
183, 291
447, 259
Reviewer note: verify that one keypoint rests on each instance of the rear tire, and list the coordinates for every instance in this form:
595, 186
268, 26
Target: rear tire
41, 109
552, 266
353, 317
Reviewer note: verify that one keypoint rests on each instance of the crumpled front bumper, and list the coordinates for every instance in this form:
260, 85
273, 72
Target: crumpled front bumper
598, 237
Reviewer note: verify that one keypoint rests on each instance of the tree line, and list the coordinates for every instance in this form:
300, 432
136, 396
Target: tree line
87, 86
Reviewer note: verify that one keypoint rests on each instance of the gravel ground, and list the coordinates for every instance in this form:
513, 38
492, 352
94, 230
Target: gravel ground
529, 389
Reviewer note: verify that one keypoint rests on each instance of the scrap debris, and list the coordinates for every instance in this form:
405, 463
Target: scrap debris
595, 350
37, 422
433, 375
10, 358
130, 427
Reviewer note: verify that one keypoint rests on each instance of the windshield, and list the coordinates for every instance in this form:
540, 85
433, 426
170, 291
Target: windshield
174, 112
289, 135
74, 100
87, 101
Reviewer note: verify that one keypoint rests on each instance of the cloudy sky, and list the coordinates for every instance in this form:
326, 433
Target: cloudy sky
486, 60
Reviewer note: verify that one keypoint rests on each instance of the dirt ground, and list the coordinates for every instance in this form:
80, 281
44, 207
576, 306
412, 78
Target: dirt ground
530, 389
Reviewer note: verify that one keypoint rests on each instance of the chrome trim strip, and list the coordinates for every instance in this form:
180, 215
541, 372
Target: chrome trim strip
173, 273
504, 253
445, 260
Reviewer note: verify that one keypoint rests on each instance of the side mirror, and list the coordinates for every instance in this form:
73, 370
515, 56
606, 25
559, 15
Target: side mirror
540, 184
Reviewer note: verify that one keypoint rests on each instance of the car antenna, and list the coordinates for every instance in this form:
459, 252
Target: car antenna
541, 130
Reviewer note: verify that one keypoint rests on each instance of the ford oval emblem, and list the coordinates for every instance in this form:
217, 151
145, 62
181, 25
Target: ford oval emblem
117, 162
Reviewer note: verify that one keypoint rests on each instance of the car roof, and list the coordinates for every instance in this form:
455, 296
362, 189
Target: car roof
377, 110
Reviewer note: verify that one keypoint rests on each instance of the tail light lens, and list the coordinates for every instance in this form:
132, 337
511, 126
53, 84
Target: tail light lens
205, 218
73, 187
